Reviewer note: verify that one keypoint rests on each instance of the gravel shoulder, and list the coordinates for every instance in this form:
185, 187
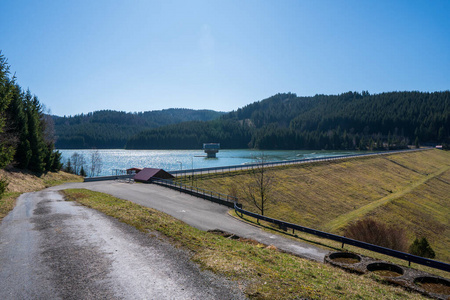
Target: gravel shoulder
55, 249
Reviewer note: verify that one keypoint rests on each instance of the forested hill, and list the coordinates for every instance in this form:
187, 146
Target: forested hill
112, 129
346, 121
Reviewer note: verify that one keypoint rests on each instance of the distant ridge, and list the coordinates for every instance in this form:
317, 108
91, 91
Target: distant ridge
111, 129
347, 121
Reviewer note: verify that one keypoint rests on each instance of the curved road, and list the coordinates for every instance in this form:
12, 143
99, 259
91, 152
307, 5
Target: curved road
199, 213
56, 249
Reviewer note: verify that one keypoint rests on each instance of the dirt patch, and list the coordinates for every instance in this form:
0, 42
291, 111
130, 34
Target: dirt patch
434, 285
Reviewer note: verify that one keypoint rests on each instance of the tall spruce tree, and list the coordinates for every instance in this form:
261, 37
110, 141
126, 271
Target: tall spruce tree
35, 136
24, 130
19, 123
6, 143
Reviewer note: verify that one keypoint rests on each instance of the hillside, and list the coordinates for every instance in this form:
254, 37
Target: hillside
111, 129
345, 121
22, 181
408, 190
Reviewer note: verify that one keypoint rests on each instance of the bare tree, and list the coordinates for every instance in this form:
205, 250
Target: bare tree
96, 163
78, 162
259, 190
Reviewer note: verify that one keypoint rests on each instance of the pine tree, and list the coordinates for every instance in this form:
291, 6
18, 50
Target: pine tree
37, 145
82, 172
422, 248
6, 143
19, 123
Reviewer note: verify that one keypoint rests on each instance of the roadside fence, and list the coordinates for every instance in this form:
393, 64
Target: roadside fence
216, 197
393, 253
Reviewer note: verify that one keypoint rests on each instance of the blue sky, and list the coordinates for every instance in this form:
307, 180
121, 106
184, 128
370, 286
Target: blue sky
81, 56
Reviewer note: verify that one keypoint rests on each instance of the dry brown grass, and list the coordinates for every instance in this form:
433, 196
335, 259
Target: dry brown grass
409, 190
20, 181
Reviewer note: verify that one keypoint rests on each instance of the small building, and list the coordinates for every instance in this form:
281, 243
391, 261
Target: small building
211, 149
147, 174
132, 171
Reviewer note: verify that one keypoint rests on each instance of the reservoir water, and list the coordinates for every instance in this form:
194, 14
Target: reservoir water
171, 160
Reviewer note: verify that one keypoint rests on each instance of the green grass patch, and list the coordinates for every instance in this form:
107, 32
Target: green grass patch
262, 272
7, 203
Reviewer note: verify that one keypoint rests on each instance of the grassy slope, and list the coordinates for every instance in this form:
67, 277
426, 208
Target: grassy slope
409, 189
23, 182
261, 271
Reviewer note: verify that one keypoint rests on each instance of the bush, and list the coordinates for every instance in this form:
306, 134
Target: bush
422, 248
3, 185
370, 231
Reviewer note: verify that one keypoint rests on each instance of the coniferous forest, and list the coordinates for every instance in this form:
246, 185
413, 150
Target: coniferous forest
347, 121
26, 133
108, 129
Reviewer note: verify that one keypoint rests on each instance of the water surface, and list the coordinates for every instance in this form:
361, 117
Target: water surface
171, 160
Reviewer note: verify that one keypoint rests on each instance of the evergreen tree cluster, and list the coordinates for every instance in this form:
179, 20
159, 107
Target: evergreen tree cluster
192, 135
421, 247
26, 136
347, 121
108, 129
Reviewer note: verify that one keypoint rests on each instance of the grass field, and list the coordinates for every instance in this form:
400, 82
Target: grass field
261, 271
409, 190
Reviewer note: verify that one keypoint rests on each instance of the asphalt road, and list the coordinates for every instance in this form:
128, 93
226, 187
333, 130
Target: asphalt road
55, 249
199, 213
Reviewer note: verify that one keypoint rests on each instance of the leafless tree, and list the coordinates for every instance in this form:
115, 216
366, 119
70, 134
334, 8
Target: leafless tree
96, 163
259, 190
77, 162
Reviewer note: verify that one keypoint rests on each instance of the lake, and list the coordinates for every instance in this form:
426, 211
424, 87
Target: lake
171, 160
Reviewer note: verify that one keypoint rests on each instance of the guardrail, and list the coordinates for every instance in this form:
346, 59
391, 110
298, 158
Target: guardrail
216, 197
100, 178
180, 173
394, 253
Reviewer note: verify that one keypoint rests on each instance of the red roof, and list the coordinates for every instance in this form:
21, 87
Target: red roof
148, 173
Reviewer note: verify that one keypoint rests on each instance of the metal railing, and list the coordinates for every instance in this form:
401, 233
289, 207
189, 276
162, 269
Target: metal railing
216, 197
393, 253
102, 178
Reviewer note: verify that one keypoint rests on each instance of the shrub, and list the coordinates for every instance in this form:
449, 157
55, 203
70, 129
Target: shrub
422, 248
370, 231
3, 185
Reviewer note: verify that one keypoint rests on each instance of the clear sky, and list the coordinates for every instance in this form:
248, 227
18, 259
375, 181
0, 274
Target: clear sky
86, 55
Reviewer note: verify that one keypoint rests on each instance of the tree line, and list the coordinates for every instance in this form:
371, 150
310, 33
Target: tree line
108, 129
348, 121
26, 132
